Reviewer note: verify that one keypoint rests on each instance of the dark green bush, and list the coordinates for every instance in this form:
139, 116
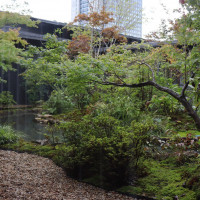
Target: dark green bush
100, 146
6, 98
119, 103
59, 102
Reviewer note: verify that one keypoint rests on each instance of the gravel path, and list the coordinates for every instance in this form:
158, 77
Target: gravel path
25, 176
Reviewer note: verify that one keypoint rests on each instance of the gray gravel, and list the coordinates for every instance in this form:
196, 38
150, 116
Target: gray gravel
25, 176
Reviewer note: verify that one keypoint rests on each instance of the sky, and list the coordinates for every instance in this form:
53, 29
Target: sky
60, 11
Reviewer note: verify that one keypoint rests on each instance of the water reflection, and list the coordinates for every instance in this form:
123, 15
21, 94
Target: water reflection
24, 122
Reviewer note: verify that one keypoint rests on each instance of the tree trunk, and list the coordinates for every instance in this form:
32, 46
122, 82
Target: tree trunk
191, 111
181, 98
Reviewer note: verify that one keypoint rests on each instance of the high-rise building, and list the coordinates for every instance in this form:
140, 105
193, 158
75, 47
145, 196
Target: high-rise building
127, 13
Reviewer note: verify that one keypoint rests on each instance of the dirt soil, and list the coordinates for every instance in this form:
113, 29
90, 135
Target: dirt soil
25, 176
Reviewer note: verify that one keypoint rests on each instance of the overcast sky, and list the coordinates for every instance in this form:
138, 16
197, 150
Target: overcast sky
60, 10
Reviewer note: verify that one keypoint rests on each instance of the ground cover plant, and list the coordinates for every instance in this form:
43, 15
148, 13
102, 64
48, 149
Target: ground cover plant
7, 135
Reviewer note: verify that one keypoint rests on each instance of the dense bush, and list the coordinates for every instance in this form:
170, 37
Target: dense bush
58, 102
6, 98
165, 105
7, 135
120, 107
100, 146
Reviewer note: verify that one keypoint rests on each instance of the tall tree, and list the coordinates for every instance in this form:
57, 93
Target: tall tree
181, 59
97, 31
163, 66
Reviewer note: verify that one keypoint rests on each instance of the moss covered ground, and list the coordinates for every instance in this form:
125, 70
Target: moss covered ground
164, 179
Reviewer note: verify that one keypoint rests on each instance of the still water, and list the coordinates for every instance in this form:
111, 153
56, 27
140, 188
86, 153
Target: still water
24, 122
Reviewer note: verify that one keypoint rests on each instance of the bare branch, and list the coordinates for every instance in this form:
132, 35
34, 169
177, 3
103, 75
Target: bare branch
186, 86
149, 66
153, 75
180, 98
126, 85
144, 63
143, 84
119, 78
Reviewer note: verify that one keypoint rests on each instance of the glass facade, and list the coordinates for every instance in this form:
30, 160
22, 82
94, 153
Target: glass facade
84, 6
127, 13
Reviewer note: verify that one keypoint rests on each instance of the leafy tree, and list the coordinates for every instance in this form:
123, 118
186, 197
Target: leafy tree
9, 39
44, 67
163, 68
49, 67
6, 98
170, 68
98, 32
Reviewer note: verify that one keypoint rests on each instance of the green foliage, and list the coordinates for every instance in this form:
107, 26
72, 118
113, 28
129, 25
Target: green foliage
185, 133
30, 147
165, 105
163, 182
59, 102
158, 124
48, 71
192, 174
131, 190
6, 98
9, 53
119, 103
48, 68
14, 19
7, 135
8, 40
99, 145
108, 130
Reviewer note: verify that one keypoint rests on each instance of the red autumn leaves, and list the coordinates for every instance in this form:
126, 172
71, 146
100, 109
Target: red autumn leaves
182, 1
97, 22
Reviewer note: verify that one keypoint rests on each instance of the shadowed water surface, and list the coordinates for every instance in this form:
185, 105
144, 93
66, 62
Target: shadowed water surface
24, 122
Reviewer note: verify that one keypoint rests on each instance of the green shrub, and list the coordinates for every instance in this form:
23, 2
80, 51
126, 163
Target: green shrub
121, 107
58, 102
7, 135
6, 98
100, 146
165, 105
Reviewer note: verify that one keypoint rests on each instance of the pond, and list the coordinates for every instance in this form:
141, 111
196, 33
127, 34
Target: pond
23, 121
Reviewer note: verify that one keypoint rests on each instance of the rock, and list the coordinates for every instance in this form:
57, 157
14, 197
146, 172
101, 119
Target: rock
47, 116
42, 142
38, 119
53, 121
39, 116
45, 121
